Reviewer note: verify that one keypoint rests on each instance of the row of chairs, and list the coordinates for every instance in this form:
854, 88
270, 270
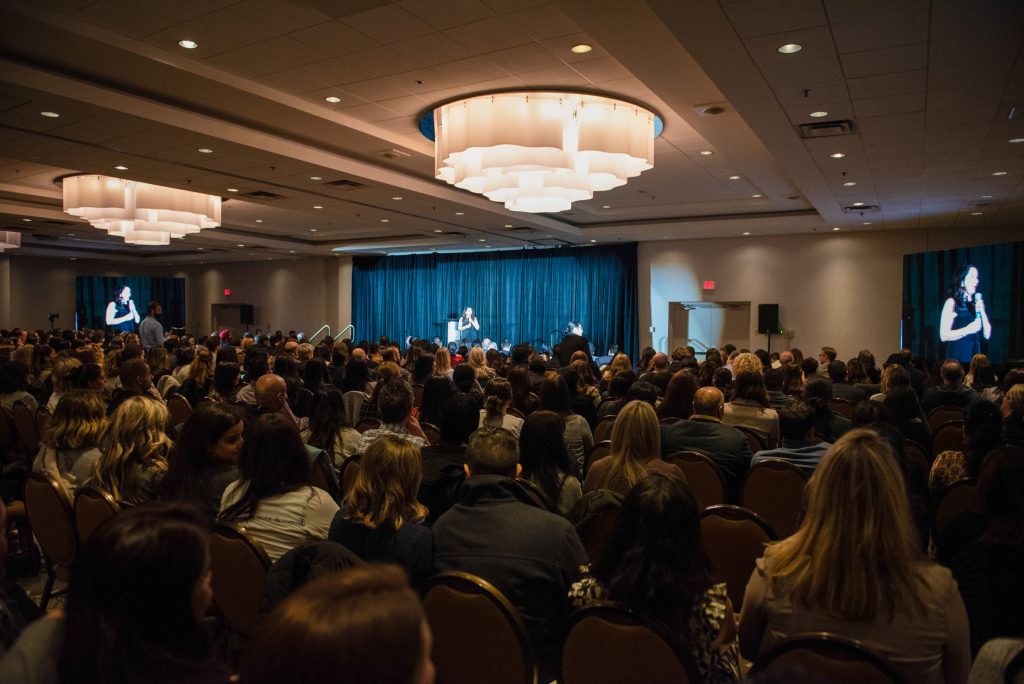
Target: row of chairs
22, 428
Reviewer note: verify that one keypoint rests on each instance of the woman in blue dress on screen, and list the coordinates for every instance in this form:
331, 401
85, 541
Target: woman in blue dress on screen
964, 319
121, 313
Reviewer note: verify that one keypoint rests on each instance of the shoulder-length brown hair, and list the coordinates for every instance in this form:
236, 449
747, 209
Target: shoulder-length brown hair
384, 493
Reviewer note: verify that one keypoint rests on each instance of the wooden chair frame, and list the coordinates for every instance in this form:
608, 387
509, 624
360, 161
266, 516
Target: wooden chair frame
681, 458
953, 489
774, 464
41, 531
737, 514
602, 448
99, 495
830, 646
237, 534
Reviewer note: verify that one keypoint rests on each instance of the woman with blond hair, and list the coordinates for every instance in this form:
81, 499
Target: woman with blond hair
380, 517
133, 451
68, 450
64, 369
620, 362
636, 448
478, 362
853, 568
747, 362
200, 377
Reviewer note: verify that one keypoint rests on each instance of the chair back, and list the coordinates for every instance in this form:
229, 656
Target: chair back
535, 495
774, 489
948, 437
478, 635
603, 430
26, 427
735, 538
596, 453
353, 401
843, 407
599, 529
93, 507
957, 498
943, 414
432, 432
918, 453
43, 417
49, 512
607, 643
239, 567
702, 474
319, 478
368, 423
179, 408
348, 473
165, 384
755, 438
671, 420
8, 433
827, 658
513, 411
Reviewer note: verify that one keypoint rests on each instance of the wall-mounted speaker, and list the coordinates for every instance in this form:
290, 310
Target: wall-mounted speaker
247, 314
768, 319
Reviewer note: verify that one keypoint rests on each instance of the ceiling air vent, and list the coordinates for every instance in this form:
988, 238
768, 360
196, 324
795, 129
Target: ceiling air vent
345, 184
522, 230
864, 209
262, 195
826, 129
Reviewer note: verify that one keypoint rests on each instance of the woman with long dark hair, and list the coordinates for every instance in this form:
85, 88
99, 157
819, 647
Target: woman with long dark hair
827, 425
274, 499
635, 449
545, 459
137, 592
983, 432
329, 428
678, 401
964, 321
554, 396
204, 460
657, 565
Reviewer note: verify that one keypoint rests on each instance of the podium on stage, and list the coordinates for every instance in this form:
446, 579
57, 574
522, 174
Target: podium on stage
453, 332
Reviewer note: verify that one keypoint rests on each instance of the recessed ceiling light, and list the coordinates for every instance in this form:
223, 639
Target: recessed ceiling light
706, 152
866, 223
986, 197
199, 248
998, 173
315, 178
385, 220
858, 204
438, 230
460, 213
205, 150
606, 206
232, 189
481, 240
27, 220
977, 213
396, 198
757, 196
74, 258
259, 220
734, 177
312, 230
508, 225
1016, 140
593, 240
50, 115
818, 114
747, 232
835, 228
188, 44
333, 99
850, 184
121, 167
790, 48
317, 206
240, 245
291, 251
581, 49
837, 155
71, 235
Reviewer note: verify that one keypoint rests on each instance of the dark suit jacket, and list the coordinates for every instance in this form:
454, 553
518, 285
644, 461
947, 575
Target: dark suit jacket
726, 446
947, 396
841, 390
569, 345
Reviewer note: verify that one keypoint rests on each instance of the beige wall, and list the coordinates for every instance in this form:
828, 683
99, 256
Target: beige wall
837, 289
302, 294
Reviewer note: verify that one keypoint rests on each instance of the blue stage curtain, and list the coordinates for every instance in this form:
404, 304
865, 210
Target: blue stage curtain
93, 293
525, 296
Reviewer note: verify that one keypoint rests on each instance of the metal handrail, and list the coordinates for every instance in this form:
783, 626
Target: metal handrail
325, 326
347, 327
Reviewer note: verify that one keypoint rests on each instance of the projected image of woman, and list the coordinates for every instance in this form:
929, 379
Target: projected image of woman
964, 320
121, 313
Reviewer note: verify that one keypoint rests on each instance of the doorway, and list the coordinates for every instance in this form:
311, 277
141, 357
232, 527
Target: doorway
703, 325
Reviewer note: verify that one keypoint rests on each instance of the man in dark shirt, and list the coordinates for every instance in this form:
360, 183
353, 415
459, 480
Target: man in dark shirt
952, 391
840, 389
532, 556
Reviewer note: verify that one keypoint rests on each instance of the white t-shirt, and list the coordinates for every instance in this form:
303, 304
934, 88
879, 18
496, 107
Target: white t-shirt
282, 522
513, 424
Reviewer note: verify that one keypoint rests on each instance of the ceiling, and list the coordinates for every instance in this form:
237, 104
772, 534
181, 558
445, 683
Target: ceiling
923, 99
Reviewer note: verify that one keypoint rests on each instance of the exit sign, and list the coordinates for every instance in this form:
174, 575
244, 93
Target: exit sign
709, 284
227, 292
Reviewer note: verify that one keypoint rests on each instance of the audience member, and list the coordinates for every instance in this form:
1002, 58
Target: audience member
635, 450
800, 445
902, 400
853, 569
579, 440
982, 433
15, 382
704, 432
828, 425
748, 406
657, 565
773, 388
69, 450
328, 426
530, 555
272, 397
133, 451
1013, 415
136, 381
952, 391
678, 401
273, 498
841, 387
395, 402
545, 460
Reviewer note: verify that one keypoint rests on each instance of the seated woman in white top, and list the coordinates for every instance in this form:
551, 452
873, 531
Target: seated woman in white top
853, 568
497, 399
273, 500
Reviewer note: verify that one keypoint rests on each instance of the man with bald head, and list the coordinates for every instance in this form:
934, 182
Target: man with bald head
704, 432
272, 397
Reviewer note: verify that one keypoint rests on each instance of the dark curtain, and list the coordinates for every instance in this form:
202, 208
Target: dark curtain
926, 283
93, 293
525, 296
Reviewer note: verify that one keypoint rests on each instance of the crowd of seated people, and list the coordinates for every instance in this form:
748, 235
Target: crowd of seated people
451, 447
